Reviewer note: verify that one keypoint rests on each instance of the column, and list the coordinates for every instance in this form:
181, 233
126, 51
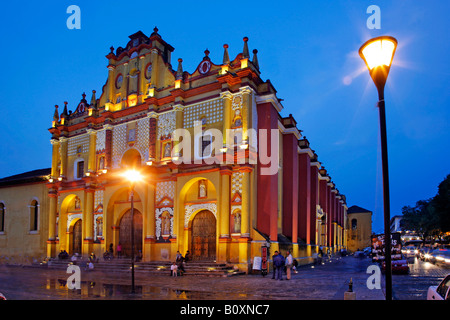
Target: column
246, 112
53, 204
290, 186
244, 243
179, 124
329, 216
108, 146
55, 158
268, 192
88, 219
323, 196
63, 154
314, 201
92, 144
224, 227
152, 136
226, 98
150, 228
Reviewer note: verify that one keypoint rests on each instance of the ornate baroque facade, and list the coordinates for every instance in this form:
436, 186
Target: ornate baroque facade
205, 194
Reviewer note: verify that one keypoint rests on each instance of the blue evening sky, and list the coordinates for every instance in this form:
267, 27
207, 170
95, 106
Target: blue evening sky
308, 49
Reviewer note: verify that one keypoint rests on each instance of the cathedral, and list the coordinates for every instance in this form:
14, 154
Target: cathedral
222, 174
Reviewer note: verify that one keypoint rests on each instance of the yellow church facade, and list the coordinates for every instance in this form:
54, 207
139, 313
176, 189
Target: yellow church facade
223, 173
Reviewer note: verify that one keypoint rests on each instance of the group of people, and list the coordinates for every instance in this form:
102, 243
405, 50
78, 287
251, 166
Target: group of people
178, 264
281, 263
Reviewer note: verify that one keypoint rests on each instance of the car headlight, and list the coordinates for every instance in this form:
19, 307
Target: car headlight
439, 258
416, 251
427, 256
447, 260
407, 251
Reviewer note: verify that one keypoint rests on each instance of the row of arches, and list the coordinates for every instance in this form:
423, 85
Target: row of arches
112, 222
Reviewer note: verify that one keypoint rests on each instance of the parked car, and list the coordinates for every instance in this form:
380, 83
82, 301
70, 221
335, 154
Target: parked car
441, 291
398, 266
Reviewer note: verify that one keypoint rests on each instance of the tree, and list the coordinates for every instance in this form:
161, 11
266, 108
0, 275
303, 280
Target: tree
441, 202
421, 218
430, 217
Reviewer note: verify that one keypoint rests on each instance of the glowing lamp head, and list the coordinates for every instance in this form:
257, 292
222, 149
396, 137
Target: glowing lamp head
378, 53
132, 175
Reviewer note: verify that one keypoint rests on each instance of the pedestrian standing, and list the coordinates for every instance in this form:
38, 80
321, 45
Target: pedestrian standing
289, 264
174, 269
179, 262
279, 265
274, 269
119, 250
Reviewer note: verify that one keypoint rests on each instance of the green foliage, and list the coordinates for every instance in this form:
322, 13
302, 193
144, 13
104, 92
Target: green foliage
430, 217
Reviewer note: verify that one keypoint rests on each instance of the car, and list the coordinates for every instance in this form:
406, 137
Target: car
443, 258
441, 291
409, 251
425, 254
398, 266
436, 253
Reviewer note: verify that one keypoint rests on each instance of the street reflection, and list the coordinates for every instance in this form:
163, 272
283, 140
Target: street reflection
92, 290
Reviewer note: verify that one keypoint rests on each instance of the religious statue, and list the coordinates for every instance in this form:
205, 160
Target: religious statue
165, 217
237, 222
167, 150
77, 203
202, 189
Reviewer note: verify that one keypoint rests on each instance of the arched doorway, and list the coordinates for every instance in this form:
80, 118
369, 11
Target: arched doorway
77, 237
125, 233
203, 236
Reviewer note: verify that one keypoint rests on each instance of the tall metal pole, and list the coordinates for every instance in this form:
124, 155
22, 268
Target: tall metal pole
132, 238
386, 200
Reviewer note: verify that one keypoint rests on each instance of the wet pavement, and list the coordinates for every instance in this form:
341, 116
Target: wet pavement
323, 282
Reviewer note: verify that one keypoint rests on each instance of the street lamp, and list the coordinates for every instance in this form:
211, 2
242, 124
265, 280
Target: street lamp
132, 176
378, 53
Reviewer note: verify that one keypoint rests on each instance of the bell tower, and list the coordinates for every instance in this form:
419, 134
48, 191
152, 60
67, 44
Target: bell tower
137, 70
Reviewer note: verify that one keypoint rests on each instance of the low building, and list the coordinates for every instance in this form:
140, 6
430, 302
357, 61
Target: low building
24, 217
359, 228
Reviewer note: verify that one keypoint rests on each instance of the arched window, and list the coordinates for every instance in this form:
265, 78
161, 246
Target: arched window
34, 215
2, 217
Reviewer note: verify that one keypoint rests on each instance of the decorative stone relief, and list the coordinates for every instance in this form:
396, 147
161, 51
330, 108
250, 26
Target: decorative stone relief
191, 208
72, 217
78, 141
211, 110
166, 124
236, 183
165, 189
98, 199
100, 141
122, 145
160, 225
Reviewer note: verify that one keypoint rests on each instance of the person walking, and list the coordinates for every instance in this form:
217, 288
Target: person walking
289, 264
279, 261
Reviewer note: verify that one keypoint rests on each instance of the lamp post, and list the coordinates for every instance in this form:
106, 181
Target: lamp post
378, 53
132, 176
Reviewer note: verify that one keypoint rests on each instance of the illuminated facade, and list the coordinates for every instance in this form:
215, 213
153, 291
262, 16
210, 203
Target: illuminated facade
211, 192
